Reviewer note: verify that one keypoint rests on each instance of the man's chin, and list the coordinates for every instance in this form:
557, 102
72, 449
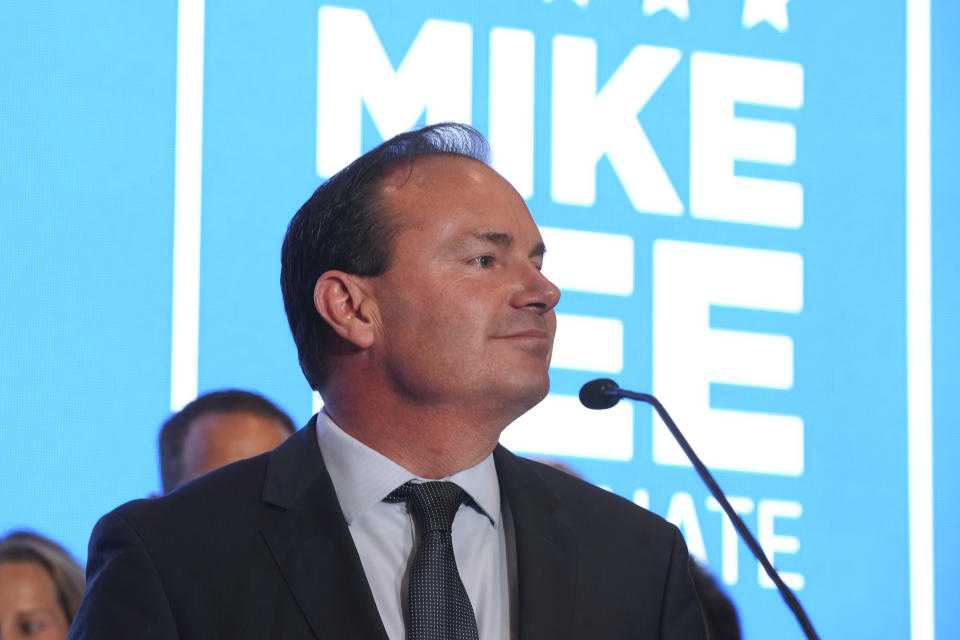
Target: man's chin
528, 392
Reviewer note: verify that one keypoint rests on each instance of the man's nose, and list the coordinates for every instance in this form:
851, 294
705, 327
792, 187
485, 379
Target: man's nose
537, 292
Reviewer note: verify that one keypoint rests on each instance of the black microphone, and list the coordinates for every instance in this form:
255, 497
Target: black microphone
603, 393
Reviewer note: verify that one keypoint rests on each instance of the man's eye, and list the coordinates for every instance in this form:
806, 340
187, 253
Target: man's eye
483, 261
31, 627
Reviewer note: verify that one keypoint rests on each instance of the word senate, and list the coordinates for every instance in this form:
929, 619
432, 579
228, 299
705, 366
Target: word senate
768, 515
755, 12
355, 75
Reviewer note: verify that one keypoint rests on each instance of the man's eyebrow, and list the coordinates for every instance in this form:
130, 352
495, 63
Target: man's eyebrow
505, 240
495, 237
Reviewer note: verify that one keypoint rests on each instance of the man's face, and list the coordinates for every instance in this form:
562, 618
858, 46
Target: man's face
29, 605
218, 438
465, 316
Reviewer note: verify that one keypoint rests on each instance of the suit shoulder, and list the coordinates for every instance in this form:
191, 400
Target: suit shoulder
224, 495
588, 500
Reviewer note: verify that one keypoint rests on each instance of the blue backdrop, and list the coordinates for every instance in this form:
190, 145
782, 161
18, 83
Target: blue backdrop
750, 207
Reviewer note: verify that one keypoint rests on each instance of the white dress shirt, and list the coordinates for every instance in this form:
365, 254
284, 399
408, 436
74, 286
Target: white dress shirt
384, 533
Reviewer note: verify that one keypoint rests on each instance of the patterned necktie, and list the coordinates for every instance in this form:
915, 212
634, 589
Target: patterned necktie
438, 607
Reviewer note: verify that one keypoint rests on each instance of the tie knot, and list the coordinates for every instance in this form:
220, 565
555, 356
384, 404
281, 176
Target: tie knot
433, 504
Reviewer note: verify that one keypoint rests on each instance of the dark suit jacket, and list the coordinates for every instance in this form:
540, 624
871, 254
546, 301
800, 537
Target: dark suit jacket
260, 549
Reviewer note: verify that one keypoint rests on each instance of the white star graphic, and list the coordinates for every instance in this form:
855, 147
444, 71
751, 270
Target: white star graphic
679, 8
772, 11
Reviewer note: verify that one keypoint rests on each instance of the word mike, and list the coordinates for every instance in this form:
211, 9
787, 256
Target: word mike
603, 393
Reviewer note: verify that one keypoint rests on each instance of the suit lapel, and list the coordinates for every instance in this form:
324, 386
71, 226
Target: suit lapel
546, 551
312, 545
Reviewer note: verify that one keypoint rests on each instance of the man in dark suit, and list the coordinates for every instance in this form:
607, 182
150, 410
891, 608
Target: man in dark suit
412, 285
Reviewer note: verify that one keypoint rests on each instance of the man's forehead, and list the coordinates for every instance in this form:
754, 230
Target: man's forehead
459, 199
421, 170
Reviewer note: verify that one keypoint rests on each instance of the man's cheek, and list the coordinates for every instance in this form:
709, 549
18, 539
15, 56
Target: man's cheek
552, 325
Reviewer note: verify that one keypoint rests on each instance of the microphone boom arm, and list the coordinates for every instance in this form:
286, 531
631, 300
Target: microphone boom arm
612, 390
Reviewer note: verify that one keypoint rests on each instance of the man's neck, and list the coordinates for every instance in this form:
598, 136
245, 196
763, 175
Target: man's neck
430, 442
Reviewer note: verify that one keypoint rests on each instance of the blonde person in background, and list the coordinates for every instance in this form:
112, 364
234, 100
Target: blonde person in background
40, 588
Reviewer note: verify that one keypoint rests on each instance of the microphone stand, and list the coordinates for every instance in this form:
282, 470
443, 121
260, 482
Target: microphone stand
741, 527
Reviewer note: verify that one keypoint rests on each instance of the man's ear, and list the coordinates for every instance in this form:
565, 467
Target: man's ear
345, 303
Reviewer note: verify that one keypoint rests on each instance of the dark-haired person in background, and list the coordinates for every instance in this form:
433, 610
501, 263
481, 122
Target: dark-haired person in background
412, 285
40, 588
216, 429
719, 613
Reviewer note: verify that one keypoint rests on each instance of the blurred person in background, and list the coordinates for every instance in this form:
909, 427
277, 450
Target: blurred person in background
216, 429
719, 612
40, 587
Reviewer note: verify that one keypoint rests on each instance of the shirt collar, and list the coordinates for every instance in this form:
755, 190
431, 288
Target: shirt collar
362, 477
